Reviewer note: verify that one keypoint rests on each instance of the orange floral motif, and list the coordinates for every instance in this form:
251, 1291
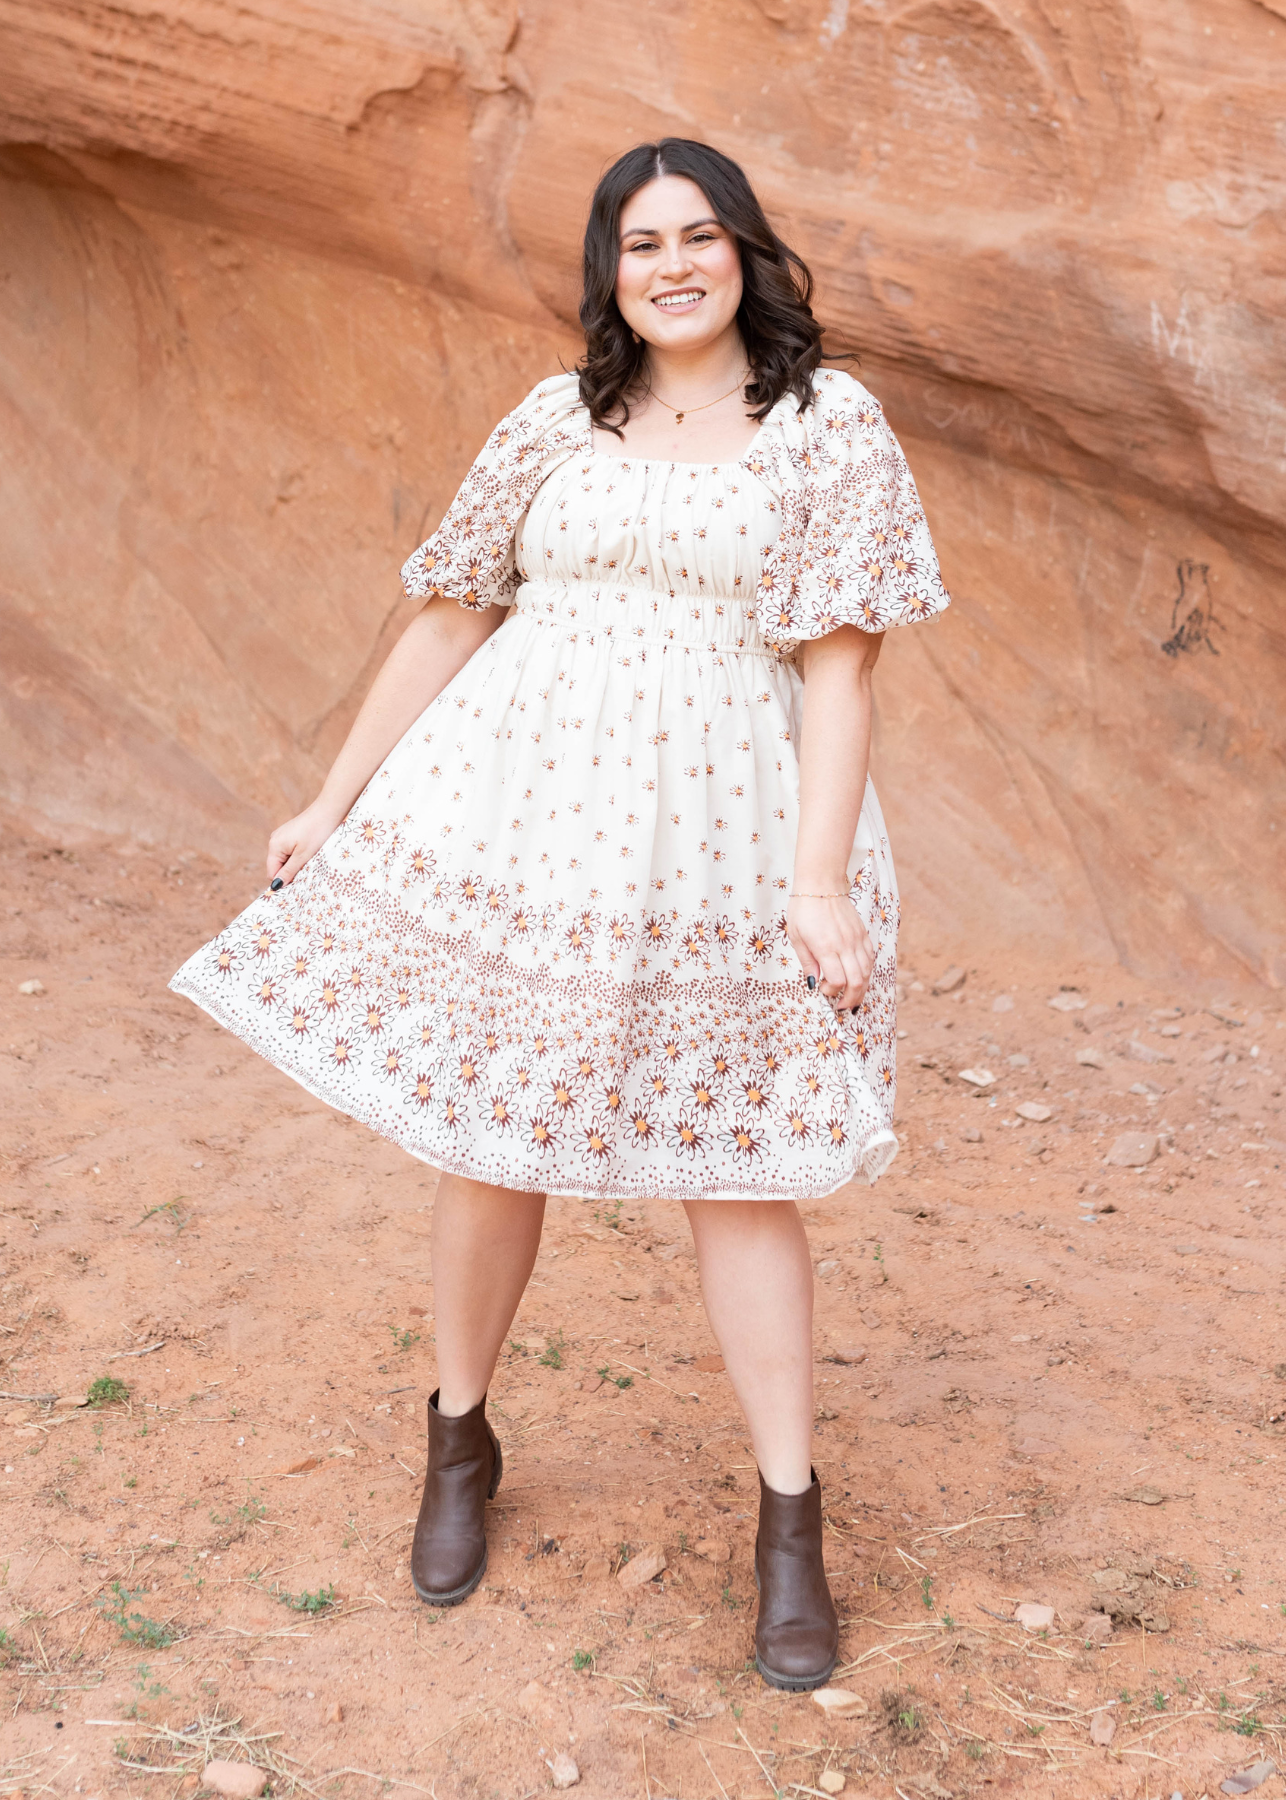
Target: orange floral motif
522, 956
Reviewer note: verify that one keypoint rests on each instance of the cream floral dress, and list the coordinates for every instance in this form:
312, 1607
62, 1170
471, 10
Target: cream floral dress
547, 948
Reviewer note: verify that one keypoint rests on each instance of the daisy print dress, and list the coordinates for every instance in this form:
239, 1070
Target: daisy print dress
547, 947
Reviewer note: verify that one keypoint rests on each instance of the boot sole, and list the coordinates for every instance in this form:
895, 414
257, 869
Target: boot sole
456, 1595
794, 1684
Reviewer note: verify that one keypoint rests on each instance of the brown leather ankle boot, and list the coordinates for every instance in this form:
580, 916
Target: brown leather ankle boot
797, 1633
449, 1550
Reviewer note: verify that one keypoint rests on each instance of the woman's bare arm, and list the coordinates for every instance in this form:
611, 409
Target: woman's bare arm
828, 937
431, 651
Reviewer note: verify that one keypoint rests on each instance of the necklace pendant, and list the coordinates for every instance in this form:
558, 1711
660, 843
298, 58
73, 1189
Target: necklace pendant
678, 418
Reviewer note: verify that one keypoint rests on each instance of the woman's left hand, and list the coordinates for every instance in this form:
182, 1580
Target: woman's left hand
834, 946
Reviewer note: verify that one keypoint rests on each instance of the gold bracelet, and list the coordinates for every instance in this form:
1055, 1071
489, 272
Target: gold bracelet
841, 896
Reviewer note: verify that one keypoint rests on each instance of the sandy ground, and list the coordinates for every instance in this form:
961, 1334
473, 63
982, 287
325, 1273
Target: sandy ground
1059, 1382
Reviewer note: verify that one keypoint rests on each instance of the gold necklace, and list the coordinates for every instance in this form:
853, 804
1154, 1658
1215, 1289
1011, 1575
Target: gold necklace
679, 416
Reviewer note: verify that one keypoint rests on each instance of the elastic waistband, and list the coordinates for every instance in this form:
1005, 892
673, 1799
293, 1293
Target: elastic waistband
645, 616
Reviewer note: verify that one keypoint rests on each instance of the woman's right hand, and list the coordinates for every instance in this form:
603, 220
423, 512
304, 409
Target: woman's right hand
292, 844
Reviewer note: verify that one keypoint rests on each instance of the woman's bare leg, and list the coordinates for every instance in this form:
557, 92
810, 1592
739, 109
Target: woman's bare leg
484, 1244
757, 1282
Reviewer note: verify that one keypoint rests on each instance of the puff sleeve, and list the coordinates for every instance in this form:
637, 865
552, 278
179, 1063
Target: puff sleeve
471, 554
863, 553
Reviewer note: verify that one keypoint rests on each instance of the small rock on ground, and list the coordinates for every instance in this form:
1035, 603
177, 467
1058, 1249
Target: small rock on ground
1035, 1111
830, 1781
564, 1770
237, 1781
31, 988
1102, 1728
1132, 1150
1097, 1628
713, 1550
838, 1703
642, 1568
1034, 1617
1246, 1779
949, 980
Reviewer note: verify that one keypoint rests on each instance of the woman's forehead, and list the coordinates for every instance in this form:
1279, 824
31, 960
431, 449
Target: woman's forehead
665, 201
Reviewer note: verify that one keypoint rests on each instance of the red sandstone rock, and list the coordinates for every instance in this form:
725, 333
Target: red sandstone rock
268, 279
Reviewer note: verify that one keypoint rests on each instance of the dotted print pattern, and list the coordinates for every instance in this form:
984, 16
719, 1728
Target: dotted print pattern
547, 947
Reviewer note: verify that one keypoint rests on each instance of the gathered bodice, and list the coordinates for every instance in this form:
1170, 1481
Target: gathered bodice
699, 530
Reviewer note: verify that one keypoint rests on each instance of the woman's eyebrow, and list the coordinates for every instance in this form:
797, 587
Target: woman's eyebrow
652, 231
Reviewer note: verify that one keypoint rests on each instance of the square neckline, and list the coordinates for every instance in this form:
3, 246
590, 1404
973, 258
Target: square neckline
678, 462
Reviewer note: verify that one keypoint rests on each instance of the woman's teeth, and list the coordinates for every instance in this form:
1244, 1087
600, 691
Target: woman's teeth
672, 301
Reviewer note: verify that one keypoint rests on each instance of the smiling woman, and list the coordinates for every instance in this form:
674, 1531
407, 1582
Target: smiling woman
597, 897
685, 284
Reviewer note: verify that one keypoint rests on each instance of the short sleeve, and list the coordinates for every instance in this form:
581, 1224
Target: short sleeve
471, 554
866, 556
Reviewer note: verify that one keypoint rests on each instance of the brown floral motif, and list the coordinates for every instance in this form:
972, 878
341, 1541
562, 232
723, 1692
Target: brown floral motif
547, 948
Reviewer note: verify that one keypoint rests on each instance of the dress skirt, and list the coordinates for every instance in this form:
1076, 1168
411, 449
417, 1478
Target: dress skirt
547, 949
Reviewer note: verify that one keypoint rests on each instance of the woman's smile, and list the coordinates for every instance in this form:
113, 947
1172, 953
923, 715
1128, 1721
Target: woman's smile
680, 300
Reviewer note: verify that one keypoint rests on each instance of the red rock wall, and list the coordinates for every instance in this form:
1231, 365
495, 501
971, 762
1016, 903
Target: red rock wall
268, 273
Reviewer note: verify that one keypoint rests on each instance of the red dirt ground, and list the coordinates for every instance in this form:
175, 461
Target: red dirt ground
1043, 1336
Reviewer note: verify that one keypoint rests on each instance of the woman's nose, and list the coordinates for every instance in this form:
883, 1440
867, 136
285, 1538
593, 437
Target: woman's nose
675, 262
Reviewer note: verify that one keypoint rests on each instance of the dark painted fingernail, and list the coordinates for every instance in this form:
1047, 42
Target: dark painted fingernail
812, 982
856, 1010
276, 883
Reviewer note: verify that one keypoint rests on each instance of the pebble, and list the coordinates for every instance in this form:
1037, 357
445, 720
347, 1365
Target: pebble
335, 1715
532, 1698
871, 1319
597, 1568
949, 980
1091, 1058
828, 1268
849, 1358
564, 1771
830, 1781
1002, 1003
1102, 1729
1145, 1053
712, 1549
979, 1078
31, 987
1067, 1002
1246, 1779
1034, 1617
1097, 1628
838, 1703
1132, 1150
971, 1134
1034, 1110
642, 1567
238, 1781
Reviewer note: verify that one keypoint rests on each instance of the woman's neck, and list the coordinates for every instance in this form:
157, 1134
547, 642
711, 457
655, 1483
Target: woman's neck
688, 377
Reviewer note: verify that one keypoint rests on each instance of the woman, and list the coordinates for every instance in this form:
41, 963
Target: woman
596, 898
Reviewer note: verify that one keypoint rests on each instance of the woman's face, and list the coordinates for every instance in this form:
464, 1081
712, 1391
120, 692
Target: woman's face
678, 283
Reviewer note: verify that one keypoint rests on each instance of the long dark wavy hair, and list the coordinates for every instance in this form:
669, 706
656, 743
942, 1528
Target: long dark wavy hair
782, 338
